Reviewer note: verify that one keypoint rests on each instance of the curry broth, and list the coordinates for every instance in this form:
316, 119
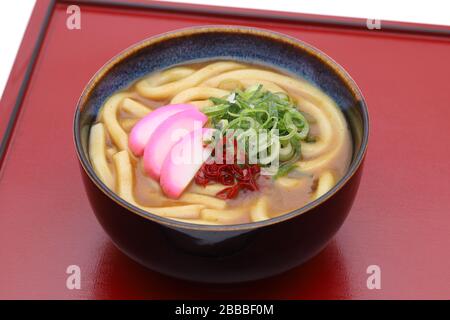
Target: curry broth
283, 195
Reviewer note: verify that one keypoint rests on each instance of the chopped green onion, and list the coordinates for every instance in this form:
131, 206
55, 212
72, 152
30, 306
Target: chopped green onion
284, 170
254, 109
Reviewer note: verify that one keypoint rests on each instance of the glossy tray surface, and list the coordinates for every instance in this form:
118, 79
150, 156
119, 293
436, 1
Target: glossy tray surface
400, 220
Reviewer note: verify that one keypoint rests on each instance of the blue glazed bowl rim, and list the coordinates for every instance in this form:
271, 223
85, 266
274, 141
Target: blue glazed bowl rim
272, 35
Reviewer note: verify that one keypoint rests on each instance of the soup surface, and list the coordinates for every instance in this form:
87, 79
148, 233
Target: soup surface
302, 144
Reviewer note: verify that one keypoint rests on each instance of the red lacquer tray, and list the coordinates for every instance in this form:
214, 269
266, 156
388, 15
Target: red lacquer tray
400, 220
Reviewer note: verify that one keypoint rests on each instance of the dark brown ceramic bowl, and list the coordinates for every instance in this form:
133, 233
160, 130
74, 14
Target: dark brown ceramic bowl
229, 253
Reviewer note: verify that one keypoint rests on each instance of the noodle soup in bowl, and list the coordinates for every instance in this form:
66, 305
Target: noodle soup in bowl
221, 153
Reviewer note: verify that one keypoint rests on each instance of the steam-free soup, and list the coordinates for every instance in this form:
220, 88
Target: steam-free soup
270, 143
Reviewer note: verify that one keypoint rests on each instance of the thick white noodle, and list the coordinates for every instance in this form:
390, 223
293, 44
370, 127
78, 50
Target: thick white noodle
167, 90
109, 115
260, 210
226, 216
97, 149
198, 93
173, 74
210, 202
325, 183
135, 108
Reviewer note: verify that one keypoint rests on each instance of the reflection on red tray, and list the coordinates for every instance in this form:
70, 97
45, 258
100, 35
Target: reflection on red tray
399, 221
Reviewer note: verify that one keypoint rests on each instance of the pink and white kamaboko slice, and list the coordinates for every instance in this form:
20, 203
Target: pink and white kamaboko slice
184, 160
166, 135
144, 129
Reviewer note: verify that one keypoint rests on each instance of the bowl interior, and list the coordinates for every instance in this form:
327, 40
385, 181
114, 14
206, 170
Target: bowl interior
211, 43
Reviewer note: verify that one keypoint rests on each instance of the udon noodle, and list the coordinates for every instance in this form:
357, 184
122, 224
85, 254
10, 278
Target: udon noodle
325, 155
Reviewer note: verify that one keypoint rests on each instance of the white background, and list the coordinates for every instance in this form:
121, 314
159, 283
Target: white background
14, 15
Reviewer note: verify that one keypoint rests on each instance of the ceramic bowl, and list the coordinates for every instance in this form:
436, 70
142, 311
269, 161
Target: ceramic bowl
228, 253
